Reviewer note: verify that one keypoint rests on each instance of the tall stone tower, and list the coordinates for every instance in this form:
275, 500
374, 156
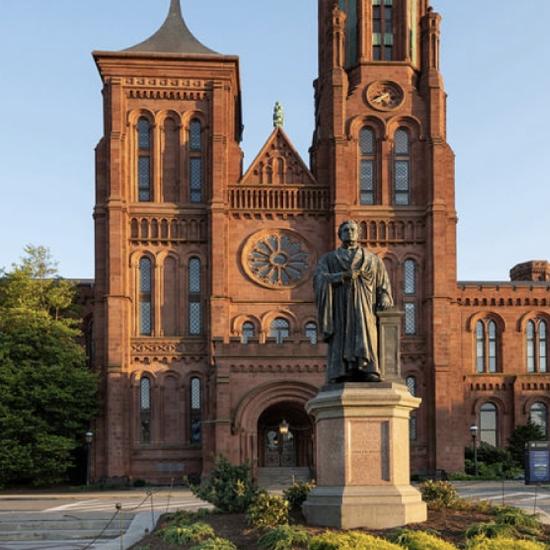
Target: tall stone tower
380, 147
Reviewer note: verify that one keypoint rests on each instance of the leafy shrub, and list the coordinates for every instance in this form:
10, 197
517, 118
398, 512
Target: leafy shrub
229, 488
195, 532
519, 519
183, 517
421, 540
284, 537
482, 543
297, 493
491, 530
267, 511
520, 436
216, 543
439, 494
351, 540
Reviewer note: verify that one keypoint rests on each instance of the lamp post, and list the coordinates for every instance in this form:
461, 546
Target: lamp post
88, 436
283, 427
473, 432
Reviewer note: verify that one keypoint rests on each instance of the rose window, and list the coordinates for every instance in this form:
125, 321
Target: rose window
278, 259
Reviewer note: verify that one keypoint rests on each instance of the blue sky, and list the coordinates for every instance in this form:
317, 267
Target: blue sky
495, 63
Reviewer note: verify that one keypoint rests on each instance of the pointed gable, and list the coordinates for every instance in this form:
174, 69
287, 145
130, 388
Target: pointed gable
278, 163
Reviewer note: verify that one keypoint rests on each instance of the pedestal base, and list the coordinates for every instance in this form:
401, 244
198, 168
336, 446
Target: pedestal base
370, 507
362, 458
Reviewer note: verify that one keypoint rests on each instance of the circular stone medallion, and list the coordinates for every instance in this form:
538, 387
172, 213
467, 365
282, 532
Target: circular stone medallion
277, 259
384, 95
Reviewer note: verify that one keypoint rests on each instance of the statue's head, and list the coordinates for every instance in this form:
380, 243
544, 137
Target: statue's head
349, 232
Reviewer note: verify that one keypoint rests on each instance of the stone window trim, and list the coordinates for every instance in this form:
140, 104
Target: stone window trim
489, 423
502, 412
482, 364
280, 330
268, 319
536, 332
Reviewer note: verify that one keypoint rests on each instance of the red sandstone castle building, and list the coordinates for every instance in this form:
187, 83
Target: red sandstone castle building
204, 324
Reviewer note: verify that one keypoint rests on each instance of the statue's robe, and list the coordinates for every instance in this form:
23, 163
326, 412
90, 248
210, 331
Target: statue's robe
347, 309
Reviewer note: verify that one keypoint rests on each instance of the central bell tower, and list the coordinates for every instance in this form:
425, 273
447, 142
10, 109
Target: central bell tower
380, 147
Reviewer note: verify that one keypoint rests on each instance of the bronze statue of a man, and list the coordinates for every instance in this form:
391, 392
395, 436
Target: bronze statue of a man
351, 284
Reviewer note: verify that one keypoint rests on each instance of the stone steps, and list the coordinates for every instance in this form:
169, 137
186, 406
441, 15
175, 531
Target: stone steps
279, 478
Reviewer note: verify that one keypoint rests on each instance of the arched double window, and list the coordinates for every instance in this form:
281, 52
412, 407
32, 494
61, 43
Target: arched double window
409, 293
248, 332
311, 332
194, 298
488, 424
413, 428
538, 415
280, 330
145, 410
382, 30
536, 334
367, 166
401, 168
195, 413
145, 296
486, 346
196, 162
144, 160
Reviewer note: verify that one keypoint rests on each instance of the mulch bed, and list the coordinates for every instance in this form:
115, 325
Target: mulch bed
448, 524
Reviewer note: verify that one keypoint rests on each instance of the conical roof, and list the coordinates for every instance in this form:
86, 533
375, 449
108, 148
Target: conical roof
173, 36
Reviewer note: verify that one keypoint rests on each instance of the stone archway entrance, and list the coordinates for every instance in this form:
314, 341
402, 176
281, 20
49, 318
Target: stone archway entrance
291, 450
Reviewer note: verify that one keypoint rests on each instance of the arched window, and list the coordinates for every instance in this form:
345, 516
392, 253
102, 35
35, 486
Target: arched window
311, 332
401, 168
413, 429
537, 346
409, 291
248, 331
194, 298
280, 330
170, 302
538, 415
170, 161
196, 162
486, 346
195, 411
488, 424
145, 410
350, 9
382, 30
367, 166
145, 297
144, 161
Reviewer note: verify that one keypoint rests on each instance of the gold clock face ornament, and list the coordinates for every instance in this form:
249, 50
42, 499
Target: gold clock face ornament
385, 96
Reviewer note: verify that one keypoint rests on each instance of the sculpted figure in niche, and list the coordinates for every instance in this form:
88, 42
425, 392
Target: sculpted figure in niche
351, 284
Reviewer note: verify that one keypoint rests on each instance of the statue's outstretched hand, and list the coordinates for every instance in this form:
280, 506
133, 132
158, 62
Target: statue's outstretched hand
384, 302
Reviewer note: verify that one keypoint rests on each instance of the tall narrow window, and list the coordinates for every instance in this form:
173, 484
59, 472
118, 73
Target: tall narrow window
367, 166
409, 283
536, 334
196, 162
401, 168
196, 411
170, 302
311, 332
488, 424
492, 346
411, 386
531, 346
538, 415
350, 8
144, 164
410, 319
194, 298
409, 291
170, 165
145, 297
382, 30
248, 331
280, 330
145, 410
480, 347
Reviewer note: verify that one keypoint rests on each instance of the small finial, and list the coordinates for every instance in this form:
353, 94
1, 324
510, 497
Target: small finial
278, 116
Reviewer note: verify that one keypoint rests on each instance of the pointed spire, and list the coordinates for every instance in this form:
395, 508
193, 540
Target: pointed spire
173, 36
278, 116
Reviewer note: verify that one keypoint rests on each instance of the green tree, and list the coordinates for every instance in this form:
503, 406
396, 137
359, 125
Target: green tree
47, 395
520, 436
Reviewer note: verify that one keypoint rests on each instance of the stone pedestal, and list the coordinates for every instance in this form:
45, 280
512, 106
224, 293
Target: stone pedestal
362, 458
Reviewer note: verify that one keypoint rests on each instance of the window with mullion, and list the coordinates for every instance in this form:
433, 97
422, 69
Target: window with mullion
145, 297
401, 168
486, 343
536, 334
195, 322
144, 164
367, 167
196, 162
382, 30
